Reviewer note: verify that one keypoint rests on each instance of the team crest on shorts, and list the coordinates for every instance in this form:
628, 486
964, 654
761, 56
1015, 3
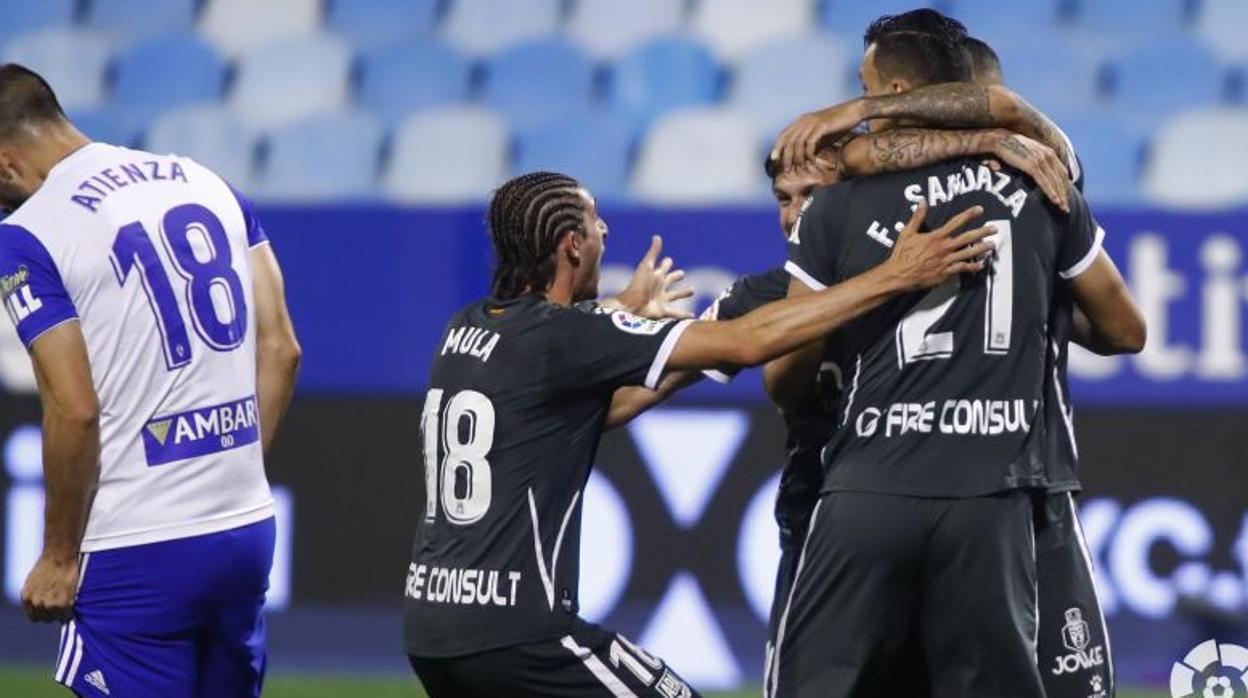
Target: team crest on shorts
1075, 632
633, 324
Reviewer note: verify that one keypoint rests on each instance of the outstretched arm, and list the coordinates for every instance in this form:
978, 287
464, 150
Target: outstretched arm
650, 293
911, 148
71, 468
629, 403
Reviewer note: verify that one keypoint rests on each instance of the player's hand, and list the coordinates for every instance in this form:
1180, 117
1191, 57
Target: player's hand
801, 140
1039, 162
49, 592
650, 293
923, 260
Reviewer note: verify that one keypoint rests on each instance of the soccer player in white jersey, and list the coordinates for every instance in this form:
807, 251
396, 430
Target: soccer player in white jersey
153, 309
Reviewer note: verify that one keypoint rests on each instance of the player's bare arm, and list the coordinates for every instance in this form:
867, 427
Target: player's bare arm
651, 293
1109, 322
277, 349
911, 148
628, 403
71, 459
917, 261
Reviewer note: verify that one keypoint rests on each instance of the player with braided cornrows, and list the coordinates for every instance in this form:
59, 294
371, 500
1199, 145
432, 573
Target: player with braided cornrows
519, 394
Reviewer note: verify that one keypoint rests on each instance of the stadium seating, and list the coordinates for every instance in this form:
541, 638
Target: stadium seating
488, 26
325, 156
1110, 154
700, 156
72, 61
732, 27
1051, 77
851, 17
1199, 160
370, 23
107, 126
660, 76
290, 79
128, 20
209, 133
1222, 24
25, 17
400, 78
607, 28
236, 26
164, 72
1162, 77
594, 147
776, 82
538, 80
1002, 30
1118, 19
448, 155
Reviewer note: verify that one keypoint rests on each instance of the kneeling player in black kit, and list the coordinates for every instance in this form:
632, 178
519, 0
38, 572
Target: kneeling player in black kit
519, 393
925, 521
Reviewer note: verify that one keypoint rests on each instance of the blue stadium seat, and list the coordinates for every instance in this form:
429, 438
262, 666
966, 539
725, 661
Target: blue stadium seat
1221, 24
488, 26
447, 155
663, 75
595, 148
1130, 18
329, 156
409, 75
24, 17
133, 19
732, 27
211, 135
850, 18
108, 125
700, 156
1111, 157
610, 27
72, 61
369, 23
236, 26
1161, 77
167, 71
769, 89
1031, 23
539, 79
1051, 76
291, 79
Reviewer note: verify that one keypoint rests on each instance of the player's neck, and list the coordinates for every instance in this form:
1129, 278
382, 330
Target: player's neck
560, 291
54, 146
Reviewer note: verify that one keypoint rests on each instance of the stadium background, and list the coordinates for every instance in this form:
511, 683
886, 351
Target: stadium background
371, 131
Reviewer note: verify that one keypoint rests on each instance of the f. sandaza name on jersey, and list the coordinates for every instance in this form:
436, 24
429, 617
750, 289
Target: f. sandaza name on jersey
957, 184
954, 416
93, 190
19, 301
460, 586
472, 341
201, 432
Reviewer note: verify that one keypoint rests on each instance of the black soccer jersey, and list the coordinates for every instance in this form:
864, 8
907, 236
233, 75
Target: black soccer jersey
518, 394
806, 432
945, 389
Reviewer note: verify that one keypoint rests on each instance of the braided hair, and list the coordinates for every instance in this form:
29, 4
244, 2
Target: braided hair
527, 218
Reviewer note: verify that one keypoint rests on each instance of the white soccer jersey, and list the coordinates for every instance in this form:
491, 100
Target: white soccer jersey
149, 253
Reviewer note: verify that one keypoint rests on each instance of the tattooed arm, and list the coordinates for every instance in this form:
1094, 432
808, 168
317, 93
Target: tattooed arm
910, 148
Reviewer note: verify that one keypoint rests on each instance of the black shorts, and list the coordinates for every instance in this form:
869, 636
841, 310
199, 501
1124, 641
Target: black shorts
1075, 659
879, 572
588, 662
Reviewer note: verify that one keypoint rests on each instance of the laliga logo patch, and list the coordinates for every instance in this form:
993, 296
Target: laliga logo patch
1211, 670
636, 325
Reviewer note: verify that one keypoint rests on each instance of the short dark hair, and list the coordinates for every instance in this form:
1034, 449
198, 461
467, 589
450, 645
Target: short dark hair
921, 21
772, 167
921, 59
983, 58
25, 99
527, 218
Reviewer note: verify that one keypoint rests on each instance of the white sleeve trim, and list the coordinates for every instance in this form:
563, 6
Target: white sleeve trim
801, 275
1083, 264
1072, 160
665, 352
262, 243
717, 376
48, 329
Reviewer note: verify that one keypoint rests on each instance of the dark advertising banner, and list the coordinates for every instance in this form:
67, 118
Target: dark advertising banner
680, 548
371, 289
